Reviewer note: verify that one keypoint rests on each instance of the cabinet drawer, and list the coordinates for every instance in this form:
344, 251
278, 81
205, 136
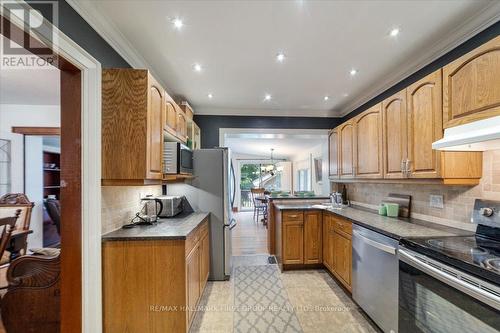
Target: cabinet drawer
293, 216
196, 235
342, 225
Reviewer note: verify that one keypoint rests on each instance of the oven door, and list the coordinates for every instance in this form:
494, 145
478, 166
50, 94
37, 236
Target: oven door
437, 298
185, 160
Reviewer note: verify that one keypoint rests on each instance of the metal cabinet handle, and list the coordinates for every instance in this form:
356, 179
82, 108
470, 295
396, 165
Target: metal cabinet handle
292, 215
403, 169
408, 170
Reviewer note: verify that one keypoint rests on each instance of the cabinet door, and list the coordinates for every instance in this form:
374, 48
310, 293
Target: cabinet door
312, 237
293, 242
395, 148
193, 282
325, 241
170, 118
343, 257
471, 85
333, 154
368, 143
204, 261
181, 126
346, 134
425, 126
155, 135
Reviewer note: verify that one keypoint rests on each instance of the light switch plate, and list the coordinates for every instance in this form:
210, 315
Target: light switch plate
436, 201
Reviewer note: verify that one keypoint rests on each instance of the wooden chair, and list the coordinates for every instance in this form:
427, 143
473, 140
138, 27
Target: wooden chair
9, 205
7, 224
259, 207
32, 301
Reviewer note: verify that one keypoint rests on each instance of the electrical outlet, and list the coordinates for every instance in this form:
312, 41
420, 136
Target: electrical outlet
436, 201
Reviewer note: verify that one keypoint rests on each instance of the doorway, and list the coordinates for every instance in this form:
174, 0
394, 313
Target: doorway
80, 171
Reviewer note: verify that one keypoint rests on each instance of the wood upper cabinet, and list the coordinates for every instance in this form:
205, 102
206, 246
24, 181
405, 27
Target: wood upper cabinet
425, 125
155, 129
471, 85
333, 154
132, 136
170, 124
346, 152
181, 125
395, 143
313, 237
293, 241
367, 146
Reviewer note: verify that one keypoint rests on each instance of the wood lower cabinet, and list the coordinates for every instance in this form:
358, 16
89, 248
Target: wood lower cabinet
132, 136
346, 149
154, 285
367, 147
337, 247
471, 85
313, 251
395, 134
333, 154
193, 283
293, 242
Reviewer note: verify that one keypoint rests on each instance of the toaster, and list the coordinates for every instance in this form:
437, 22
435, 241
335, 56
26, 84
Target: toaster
172, 205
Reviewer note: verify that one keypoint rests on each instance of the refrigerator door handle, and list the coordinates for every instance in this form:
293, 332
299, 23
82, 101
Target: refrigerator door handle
232, 224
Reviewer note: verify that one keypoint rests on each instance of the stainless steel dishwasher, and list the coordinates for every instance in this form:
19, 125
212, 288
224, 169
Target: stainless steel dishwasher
375, 276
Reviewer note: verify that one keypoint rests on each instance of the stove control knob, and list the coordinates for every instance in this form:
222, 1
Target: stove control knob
485, 211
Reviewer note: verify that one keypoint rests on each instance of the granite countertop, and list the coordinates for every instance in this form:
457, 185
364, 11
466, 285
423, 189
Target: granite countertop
396, 228
173, 228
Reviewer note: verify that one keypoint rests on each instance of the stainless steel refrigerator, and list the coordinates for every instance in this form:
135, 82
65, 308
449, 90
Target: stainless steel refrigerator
212, 190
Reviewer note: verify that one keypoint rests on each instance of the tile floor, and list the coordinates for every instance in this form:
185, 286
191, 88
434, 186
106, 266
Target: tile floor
320, 304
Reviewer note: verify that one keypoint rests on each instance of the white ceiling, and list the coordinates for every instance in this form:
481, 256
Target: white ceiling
285, 145
29, 86
236, 43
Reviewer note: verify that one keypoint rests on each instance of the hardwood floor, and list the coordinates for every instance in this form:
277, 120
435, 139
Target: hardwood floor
249, 237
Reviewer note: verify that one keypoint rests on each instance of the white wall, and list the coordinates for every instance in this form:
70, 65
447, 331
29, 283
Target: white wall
24, 115
305, 160
30, 116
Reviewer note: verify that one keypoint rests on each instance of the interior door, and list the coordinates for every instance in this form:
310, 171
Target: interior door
425, 125
395, 135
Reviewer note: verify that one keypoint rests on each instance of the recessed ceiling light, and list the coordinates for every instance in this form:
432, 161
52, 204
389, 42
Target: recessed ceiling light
345, 94
197, 67
353, 72
280, 57
326, 98
267, 97
210, 96
178, 24
394, 32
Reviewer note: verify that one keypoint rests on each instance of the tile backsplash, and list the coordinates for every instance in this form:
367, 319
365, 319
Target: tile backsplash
120, 203
458, 200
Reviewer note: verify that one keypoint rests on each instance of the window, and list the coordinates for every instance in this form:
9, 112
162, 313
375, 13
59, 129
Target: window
304, 177
5, 177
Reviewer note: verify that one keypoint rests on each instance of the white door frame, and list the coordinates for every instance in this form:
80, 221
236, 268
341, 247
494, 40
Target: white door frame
90, 169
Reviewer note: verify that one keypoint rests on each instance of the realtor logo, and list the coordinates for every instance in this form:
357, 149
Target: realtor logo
33, 48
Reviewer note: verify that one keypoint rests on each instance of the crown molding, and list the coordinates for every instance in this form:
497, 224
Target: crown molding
110, 33
215, 111
468, 29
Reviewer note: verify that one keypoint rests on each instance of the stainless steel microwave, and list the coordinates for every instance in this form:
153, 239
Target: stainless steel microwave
177, 158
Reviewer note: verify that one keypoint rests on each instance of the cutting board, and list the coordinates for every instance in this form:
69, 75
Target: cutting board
403, 200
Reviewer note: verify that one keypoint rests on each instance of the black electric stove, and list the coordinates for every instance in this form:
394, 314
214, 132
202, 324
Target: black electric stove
478, 254
452, 284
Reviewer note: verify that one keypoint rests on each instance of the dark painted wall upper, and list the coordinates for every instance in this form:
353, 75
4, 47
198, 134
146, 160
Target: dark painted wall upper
210, 125
457, 52
76, 28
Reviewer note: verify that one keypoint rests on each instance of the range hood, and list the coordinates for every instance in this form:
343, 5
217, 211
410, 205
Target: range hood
480, 135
